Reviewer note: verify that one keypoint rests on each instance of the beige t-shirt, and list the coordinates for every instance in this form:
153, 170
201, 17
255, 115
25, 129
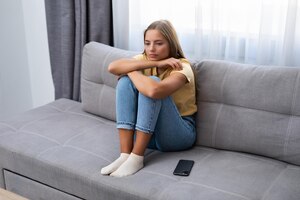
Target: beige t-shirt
184, 97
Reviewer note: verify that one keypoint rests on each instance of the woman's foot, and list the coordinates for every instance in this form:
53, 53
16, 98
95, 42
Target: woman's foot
133, 164
115, 165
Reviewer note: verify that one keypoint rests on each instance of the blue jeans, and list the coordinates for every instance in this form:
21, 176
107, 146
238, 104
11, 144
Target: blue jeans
159, 117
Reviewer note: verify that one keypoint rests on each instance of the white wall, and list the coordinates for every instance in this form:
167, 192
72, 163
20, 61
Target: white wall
25, 76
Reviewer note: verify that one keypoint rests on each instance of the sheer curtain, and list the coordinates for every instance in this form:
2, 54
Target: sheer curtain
248, 31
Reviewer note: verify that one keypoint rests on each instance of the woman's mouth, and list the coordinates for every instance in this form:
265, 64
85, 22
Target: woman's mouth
152, 55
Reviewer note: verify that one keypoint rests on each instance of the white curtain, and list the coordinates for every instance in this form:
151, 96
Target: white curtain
248, 31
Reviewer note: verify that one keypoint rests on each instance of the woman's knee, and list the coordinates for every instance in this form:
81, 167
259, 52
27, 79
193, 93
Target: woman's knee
124, 81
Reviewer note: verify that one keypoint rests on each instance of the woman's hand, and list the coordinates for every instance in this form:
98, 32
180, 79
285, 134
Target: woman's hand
170, 62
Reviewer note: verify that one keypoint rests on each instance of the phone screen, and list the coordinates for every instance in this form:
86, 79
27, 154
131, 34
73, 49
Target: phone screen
183, 167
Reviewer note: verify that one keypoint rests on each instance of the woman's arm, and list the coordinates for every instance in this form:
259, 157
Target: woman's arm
124, 66
154, 89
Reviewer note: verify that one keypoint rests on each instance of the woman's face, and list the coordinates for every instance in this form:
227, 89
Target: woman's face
156, 46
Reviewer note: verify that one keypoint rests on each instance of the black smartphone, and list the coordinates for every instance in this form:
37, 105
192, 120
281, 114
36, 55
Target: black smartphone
183, 167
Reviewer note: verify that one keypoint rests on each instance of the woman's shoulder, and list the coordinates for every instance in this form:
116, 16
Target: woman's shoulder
140, 57
185, 62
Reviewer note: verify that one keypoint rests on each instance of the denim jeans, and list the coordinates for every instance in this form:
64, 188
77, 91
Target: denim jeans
159, 117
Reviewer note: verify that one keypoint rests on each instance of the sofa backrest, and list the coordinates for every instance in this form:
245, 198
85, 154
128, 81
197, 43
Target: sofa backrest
97, 84
247, 108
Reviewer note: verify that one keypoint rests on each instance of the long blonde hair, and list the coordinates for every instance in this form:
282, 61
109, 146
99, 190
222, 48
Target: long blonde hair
168, 31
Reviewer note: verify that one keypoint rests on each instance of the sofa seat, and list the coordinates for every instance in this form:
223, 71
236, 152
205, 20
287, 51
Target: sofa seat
60, 147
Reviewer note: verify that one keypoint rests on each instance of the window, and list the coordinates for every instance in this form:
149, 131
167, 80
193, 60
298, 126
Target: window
248, 31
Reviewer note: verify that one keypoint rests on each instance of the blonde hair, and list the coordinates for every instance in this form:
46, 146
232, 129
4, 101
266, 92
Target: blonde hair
168, 31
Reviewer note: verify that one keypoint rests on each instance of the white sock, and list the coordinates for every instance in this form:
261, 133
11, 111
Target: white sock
133, 164
115, 165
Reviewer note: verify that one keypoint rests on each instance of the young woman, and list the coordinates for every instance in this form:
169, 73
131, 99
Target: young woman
155, 100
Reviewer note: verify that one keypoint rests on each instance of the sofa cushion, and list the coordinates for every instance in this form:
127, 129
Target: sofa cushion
245, 108
97, 84
249, 108
261, 100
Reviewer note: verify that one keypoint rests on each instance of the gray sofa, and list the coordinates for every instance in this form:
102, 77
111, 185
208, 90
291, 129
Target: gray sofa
247, 148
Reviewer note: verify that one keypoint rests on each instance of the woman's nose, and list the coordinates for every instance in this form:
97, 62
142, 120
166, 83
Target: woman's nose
152, 48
